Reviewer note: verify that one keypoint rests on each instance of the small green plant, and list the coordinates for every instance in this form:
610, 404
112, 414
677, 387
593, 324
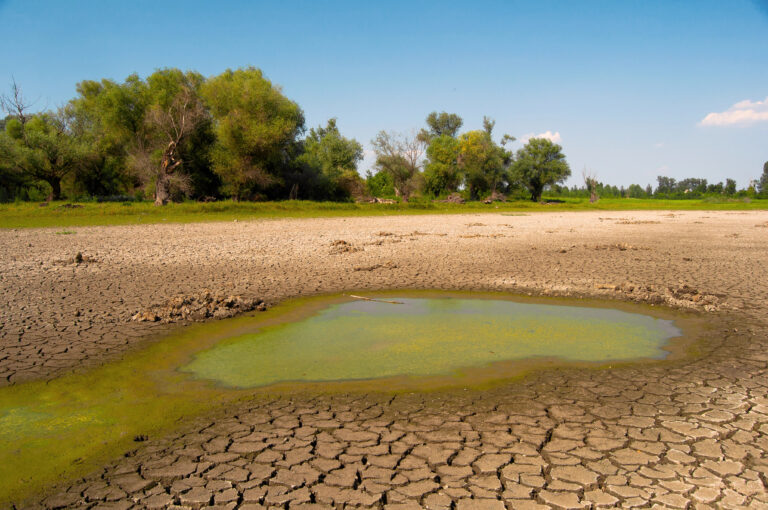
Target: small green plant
65, 232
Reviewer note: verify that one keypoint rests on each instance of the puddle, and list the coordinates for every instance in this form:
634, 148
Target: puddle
424, 337
64, 428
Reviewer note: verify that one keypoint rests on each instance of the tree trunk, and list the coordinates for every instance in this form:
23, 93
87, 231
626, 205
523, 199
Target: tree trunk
162, 192
162, 184
55, 189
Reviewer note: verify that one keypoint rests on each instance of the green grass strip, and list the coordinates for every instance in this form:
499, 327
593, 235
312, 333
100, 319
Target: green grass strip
61, 214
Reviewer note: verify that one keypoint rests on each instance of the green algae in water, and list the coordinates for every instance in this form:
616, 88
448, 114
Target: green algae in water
425, 337
58, 430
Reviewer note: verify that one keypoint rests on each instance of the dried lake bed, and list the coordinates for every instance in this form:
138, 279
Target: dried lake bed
690, 431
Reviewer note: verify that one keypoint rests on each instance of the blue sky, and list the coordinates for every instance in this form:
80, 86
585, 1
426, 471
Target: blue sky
624, 86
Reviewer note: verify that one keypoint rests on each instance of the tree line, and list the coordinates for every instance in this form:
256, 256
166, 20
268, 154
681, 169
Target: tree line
472, 162
670, 188
179, 135
175, 135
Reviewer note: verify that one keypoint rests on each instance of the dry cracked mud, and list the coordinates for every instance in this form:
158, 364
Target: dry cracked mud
686, 434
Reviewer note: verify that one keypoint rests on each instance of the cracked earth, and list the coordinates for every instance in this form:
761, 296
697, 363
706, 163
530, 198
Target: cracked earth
685, 434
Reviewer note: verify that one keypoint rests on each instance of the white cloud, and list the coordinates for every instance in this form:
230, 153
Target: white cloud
659, 145
742, 113
555, 137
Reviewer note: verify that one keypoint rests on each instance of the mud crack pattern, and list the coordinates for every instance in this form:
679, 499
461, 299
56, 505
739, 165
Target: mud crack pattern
688, 434
657, 437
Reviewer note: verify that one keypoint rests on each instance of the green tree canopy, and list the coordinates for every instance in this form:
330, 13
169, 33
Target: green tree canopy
692, 185
441, 172
483, 163
665, 185
111, 113
636, 191
42, 147
255, 124
379, 184
335, 158
154, 132
109, 118
541, 163
441, 124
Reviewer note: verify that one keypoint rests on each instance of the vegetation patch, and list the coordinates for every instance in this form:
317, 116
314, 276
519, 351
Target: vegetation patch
178, 135
28, 215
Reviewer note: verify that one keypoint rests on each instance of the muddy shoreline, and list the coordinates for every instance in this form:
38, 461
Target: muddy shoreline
57, 315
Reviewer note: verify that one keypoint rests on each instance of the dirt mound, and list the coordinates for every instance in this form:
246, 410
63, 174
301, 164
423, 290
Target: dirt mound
78, 259
199, 307
681, 296
342, 246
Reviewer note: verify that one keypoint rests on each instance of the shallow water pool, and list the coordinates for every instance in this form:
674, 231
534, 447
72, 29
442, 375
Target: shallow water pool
61, 429
423, 337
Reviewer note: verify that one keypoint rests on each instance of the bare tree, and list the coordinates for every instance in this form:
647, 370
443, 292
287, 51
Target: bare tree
168, 127
590, 181
14, 104
401, 156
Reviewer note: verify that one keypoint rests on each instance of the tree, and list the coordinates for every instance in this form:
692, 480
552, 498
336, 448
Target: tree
480, 162
335, 158
483, 162
152, 132
590, 181
109, 119
38, 146
762, 185
255, 126
692, 185
441, 172
636, 191
401, 157
715, 188
174, 112
379, 184
666, 185
541, 163
441, 124
730, 187
42, 147
13, 183
488, 125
